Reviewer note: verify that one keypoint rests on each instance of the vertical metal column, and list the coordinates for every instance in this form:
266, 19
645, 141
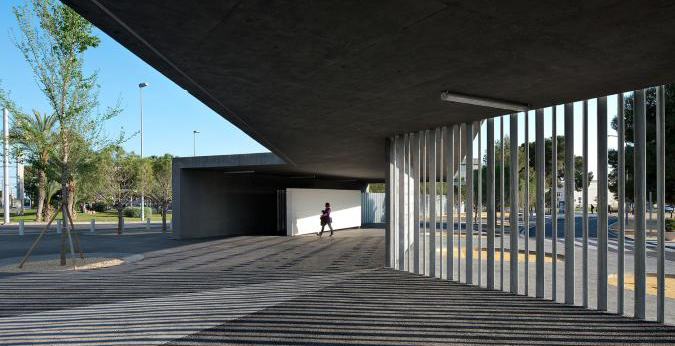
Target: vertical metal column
660, 200
479, 204
432, 202
459, 202
468, 136
408, 205
450, 180
540, 163
400, 154
415, 150
513, 209
622, 203
425, 171
389, 155
584, 203
554, 205
502, 206
439, 168
526, 204
640, 184
602, 204
569, 204
491, 203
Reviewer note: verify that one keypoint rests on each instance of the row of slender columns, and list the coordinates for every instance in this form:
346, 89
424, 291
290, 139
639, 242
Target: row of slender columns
418, 162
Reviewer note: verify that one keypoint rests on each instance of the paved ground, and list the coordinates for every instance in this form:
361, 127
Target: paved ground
278, 290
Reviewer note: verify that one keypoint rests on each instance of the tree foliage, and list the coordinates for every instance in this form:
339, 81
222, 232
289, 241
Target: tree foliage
53, 41
33, 135
122, 179
613, 159
158, 187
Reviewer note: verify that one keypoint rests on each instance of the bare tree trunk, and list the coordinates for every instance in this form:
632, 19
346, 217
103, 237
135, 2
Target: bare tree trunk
64, 197
119, 220
41, 213
64, 215
83, 207
71, 199
63, 246
163, 219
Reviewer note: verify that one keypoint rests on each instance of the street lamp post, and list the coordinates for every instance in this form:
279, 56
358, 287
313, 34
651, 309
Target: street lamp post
140, 89
194, 142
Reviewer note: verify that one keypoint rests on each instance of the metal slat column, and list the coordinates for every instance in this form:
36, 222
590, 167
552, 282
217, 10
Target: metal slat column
425, 146
584, 204
479, 204
660, 200
526, 204
450, 203
622, 203
501, 207
459, 202
432, 202
415, 148
400, 153
602, 204
540, 163
409, 205
491, 203
468, 137
439, 168
389, 197
569, 204
640, 185
513, 209
554, 205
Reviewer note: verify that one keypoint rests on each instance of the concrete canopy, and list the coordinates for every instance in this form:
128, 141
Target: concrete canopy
322, 84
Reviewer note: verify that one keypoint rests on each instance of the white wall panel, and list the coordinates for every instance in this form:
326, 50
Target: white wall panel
303, 209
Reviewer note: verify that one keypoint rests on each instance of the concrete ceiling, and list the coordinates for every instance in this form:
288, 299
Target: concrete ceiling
322, 84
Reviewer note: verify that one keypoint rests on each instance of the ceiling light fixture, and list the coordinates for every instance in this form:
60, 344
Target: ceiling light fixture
239, 172
483, 101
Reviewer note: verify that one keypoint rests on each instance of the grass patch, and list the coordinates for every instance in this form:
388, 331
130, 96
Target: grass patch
106, 216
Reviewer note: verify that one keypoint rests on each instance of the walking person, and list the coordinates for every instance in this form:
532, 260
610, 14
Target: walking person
326, 220
592, 208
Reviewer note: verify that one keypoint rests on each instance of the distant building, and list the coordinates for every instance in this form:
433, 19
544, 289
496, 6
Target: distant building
592, 196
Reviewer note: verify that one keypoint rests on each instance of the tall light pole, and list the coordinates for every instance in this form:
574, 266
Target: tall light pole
140, 90
194, 142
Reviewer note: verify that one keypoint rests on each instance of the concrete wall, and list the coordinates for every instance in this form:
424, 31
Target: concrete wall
210, 200
215, 204
304, 209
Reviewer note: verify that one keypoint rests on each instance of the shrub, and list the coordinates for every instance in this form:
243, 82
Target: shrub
670, 225
99, 207
135, 212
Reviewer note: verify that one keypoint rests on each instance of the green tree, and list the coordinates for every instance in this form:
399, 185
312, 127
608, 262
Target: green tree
159, 188
613, 158
121, 181
53, 41
34, 136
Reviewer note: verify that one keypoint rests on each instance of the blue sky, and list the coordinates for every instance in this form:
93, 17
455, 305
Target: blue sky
170, 113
